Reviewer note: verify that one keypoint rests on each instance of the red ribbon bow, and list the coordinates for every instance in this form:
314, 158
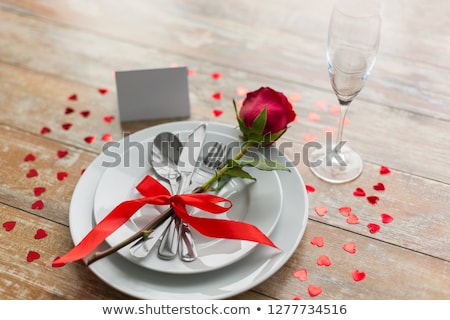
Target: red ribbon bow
155, 193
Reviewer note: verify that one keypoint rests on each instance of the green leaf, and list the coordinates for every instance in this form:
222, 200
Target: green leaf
260, 122
238, 172
263, 164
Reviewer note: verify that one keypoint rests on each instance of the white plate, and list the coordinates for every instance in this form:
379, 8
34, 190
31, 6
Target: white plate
223, 283
255, 203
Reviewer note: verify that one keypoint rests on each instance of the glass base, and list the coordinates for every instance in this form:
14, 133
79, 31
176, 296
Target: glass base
341, 167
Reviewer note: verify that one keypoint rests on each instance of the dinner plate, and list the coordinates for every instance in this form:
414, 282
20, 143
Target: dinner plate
253, 202
222, 283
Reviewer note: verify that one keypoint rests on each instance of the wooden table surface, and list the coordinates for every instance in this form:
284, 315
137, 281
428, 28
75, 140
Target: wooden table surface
52, 50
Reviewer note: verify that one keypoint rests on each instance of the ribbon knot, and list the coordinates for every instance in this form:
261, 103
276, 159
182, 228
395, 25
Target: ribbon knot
156, 194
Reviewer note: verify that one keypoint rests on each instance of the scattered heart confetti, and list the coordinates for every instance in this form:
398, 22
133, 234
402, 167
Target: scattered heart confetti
373, 227
350, 247
9, 225
314, 290
301, 274
33, 255
352, 219
217, 112
386, 218
321, 210
29, 157
69, 110
317, 241
384, 170
321, 104
310, 137
38, 191
40, 233
89, 139
66, 126
324, 261
373, 199
216, 75
313, 117
191, 72
45, 130
107, 137
296, 119
296, 298
379, 187
241, 91
32, 173
346, 121
359, 192
73, 97
345, 211
85, 113
62, 153
103, 91
295, 97
62, 175
108, 118
310, 188
358, 275
57, 265
216, 96
334, 109
38, 205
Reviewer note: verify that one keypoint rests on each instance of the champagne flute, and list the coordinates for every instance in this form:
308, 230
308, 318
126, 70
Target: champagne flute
353, 40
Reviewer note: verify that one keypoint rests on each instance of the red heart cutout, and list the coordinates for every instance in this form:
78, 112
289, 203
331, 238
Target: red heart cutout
40, 233
386, 218
102, 91
314, 290
384, 170
33, 255
345, 211
310, 188
216, 75
107, 137
69, 110
358, 275
352, 219
350, 247
62, 153
373, 200
108, 118
217, 112
301, 274
73, 97
296, 298
85, 113
38, 191
62, 175
321, 210
359, 192
39, 205
317, 241
32, 173
373, 227
379, 187
57, 265
29, 157
216, 95
323, 261
9, 225
313, 117
45, 130
89, 139
66, 126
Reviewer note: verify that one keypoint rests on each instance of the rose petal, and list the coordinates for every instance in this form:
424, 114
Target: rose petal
317, 241
358, 275
29, 157
386, 218
32, 255
321, 210
314, 290
324, 261
9, 225
301, 274
40, 233
373, 227
350, 247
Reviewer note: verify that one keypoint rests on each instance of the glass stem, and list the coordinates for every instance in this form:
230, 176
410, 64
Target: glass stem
342, 116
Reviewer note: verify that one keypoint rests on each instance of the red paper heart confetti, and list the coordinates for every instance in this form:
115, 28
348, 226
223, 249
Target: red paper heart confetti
386, 218
295, 97
317, 241
352, 219
313, 117
216, 75
321, 104
334, 109
32, 173
321, 210
57, 265
373, 199
373, 227
38, 191
359, 192
310, 188
69, 110
301, 274
384, 170
29, 157
324, 261
217, 112
314, 290
85, 113
350, 247
345, 211
66, 126
310, 137
89, 139
45, 130
40, 233
107, 137
38, 205
33, 255
191, 72
216, 96
108, 118
9, 225
62, 153
102, 91
241, 91
358, 275
296, 298
73, 97
62, 175
379, 187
